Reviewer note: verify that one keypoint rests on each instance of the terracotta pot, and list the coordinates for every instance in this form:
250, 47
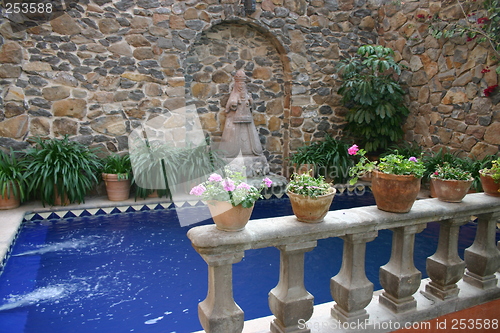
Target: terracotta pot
10, 201
228, 217
490, 187
117, 189
311, 210
451, 190
58, 200
395, 193
432, 190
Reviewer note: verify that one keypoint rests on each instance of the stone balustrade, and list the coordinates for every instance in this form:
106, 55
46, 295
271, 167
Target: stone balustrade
292, 304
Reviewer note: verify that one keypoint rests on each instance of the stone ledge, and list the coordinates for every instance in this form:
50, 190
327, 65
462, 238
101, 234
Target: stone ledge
427, 309
285, 230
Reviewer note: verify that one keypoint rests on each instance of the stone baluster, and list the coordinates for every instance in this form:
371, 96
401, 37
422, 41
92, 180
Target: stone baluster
350, 288
482, 258
289, 301
399, 277
445, 268
218, 313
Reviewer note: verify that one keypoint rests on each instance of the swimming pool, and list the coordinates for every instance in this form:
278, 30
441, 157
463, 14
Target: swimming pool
137, 272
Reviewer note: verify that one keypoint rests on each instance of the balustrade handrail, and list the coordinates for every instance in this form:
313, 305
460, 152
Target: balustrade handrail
285, 230
352, 292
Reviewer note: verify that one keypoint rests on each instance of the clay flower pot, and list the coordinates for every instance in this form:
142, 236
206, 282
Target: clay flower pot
7, 199
228, 217
451, 190
118, 188
490, 187
394, 193
311, 210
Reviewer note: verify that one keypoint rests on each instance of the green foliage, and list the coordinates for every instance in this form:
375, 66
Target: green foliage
374, 97
307, 185
159, 166
400, 165
329, 157
12, 170
434, 159
118, 164
363, 167
67, 165
405, 149
446, 171
493, 171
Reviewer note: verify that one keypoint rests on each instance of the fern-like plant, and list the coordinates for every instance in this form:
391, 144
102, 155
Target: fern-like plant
329, 157
119, 165
12, 170
61, 166
374, 97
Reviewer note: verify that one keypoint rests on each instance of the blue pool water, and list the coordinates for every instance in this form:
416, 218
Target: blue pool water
137, 272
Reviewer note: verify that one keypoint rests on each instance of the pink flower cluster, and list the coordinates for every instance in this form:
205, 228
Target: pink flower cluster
353, 150
198, 190
228, 185
268, 182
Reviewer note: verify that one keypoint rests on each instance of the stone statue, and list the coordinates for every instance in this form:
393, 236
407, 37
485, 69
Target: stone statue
240, 137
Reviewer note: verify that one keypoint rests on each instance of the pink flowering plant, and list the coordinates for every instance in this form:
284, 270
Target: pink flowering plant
307, 185
230, 187
391, 164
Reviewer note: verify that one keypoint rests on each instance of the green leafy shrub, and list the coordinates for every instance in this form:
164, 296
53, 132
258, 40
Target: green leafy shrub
61, 165
374, 97
119, 165
329, 157
12, 169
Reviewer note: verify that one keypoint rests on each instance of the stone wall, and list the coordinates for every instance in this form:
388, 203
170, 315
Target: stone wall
446, 79
107, 67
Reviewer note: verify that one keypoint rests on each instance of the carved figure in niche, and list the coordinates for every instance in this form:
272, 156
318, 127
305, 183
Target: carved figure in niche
240, 135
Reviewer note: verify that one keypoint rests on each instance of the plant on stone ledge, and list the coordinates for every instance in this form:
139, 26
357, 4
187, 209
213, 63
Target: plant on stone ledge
374, 96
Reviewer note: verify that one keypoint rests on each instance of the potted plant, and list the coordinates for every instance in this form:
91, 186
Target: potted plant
395, 179
329, 158
434, 159
451, 183
117, 174
490, 179
61, 171
230, 199
161, 168
12, 181
374, 97
310, 197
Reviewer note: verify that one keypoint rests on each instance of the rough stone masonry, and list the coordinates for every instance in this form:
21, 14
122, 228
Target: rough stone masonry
106, 67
